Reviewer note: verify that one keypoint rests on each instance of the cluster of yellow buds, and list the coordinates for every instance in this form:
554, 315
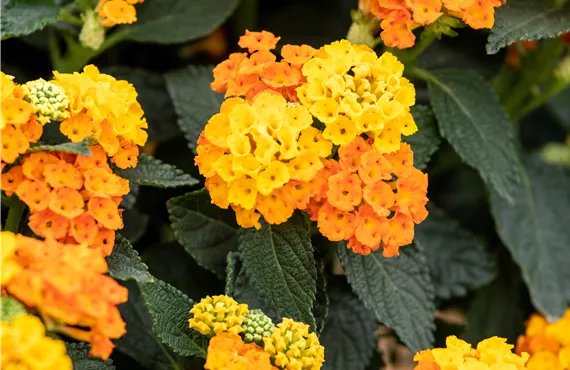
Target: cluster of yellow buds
49, 101
289, 346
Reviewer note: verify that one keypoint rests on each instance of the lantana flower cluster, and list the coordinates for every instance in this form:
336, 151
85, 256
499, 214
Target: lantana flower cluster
252, 155
247, 74
289, 345
370, 199
398, 18
113, 12
106, 110
18, 123
25, 346
67, 285
336, 153
72, 198
491, 354
548, 343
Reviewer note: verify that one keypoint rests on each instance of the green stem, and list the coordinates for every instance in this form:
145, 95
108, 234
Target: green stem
538, 71
7, 201
14, 217
423, 74
541, 99
425, 40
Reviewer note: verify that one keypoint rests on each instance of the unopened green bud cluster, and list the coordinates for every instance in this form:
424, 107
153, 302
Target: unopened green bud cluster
256, 326
48, 100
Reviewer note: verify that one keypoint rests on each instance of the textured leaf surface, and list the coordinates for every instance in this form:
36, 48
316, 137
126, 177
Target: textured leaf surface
470, 117
457, 260
169, 309
173, 21
398, 290
527, 20
139, 342
281, 267
205, 231
154, 100
348, 335
535, 230
73, 148
79, 354
239, 287
153, 172
125, 264
10, 308
193, 99
22, 17
426, 141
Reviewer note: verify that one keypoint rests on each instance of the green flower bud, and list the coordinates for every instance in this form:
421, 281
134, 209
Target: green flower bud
256, 326
11, 308
92, 34
49, 101
362, 30
562, 71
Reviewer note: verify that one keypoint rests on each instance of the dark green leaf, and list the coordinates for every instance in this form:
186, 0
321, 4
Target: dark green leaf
154, 99
125, 264
281, 267
205, 231
348, 335
457, 260
535, 230
426, 141
153, 172
169, 262
321, 307
139, 341
527, 20
174, 21
135, 223
81, 148
497, 309
239, 287
398, 290
22, 17
170, 311
79, 354
470, 117
193, 99
11, 308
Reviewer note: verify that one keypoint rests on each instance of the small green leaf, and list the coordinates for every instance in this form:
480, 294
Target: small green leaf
125, 264
472, 120
527, 20
81, 148
205, 231
175, 21
535, 230
11, 308
154, 100
426, 141
194, 100
153, 172
398, 290
170, 311
22, 17
458, 261
139, 342
348, 335
79, 354
281, 267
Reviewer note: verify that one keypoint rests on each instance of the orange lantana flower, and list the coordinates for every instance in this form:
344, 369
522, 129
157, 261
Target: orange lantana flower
67, 285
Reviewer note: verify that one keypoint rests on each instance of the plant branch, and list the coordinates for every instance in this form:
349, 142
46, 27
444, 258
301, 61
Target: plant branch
14, 217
